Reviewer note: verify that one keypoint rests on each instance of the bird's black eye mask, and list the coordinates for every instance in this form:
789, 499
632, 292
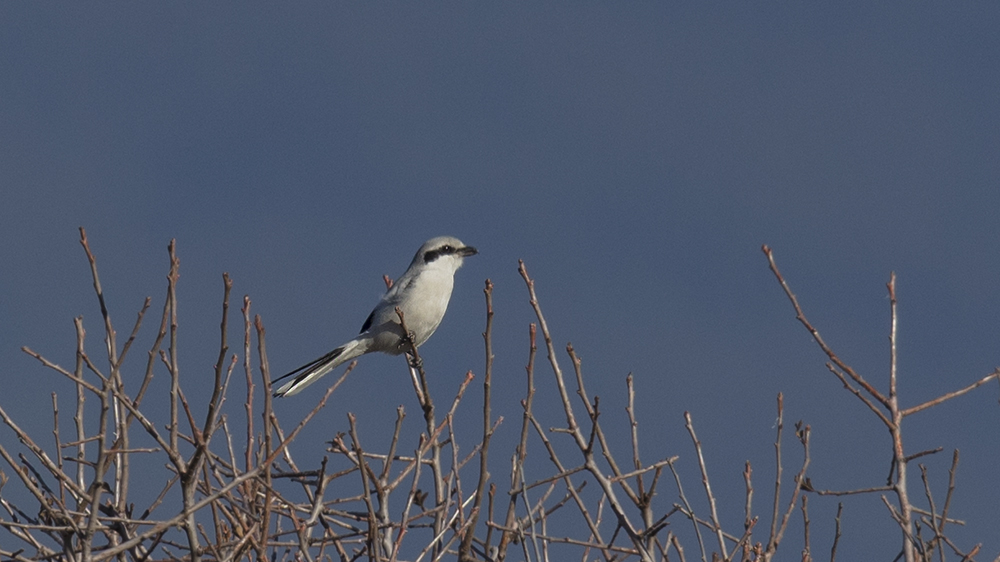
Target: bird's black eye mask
438, 252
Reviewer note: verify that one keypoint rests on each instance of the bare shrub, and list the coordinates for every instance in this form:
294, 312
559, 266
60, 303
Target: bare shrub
218, 504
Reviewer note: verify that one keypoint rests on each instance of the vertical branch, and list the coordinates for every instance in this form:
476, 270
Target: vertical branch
517, 471
936, 539
121, 442
188, 477
373, 540
806, 551
211, 418
248, 370
384, 487
100, 464
391, 455
269, 453
634, 426
123, 419
899, 457
201, 438
585, 446
427, 405
574, 430
121, 436
454, 475
259, 538
59, 457
597, 432
108, 329
645, 499
489, 517
81, 398
404, 521
705, 483
174, 380
154, 351
892, 335
802, 432
748, 511
951, 490
836, 535
771, 543
465, 550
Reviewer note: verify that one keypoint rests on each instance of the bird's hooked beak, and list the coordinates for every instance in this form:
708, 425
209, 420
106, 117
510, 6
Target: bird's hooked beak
467, 251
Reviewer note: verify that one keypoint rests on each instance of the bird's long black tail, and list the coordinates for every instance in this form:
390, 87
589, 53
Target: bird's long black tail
308, 373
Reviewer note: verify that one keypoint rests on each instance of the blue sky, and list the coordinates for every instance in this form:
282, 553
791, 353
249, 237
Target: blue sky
635, 156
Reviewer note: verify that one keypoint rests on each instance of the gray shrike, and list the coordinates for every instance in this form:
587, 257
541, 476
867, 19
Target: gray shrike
422, 293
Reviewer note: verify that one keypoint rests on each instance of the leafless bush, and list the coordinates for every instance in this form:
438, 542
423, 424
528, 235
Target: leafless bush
258, 504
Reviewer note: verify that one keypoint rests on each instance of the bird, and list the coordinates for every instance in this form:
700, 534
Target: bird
421, 293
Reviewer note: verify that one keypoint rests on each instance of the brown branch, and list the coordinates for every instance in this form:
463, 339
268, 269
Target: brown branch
596, 430
404, 520
852, 492
427, 404
806, 551
687, 510
517, 470
214, 402
747, 509
836, 535
716, 526
108, 329
771, 544
248, 371
802, 432
591, 525
573, 428
951, 491
904, 516
920, 407
172, 278
465, 550
801, 317
843, 379
373, 539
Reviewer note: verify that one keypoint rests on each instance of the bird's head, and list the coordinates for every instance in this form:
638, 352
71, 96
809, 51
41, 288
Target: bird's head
443, 251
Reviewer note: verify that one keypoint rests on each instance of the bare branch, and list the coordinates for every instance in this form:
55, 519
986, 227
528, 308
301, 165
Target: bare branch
716, 526
920, 407
801, 317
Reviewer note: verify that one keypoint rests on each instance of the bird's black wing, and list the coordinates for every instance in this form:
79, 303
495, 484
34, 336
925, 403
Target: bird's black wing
368, 322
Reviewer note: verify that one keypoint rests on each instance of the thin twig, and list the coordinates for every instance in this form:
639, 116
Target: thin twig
464, 551
836, 536
801, 317
716, 526
920, 407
